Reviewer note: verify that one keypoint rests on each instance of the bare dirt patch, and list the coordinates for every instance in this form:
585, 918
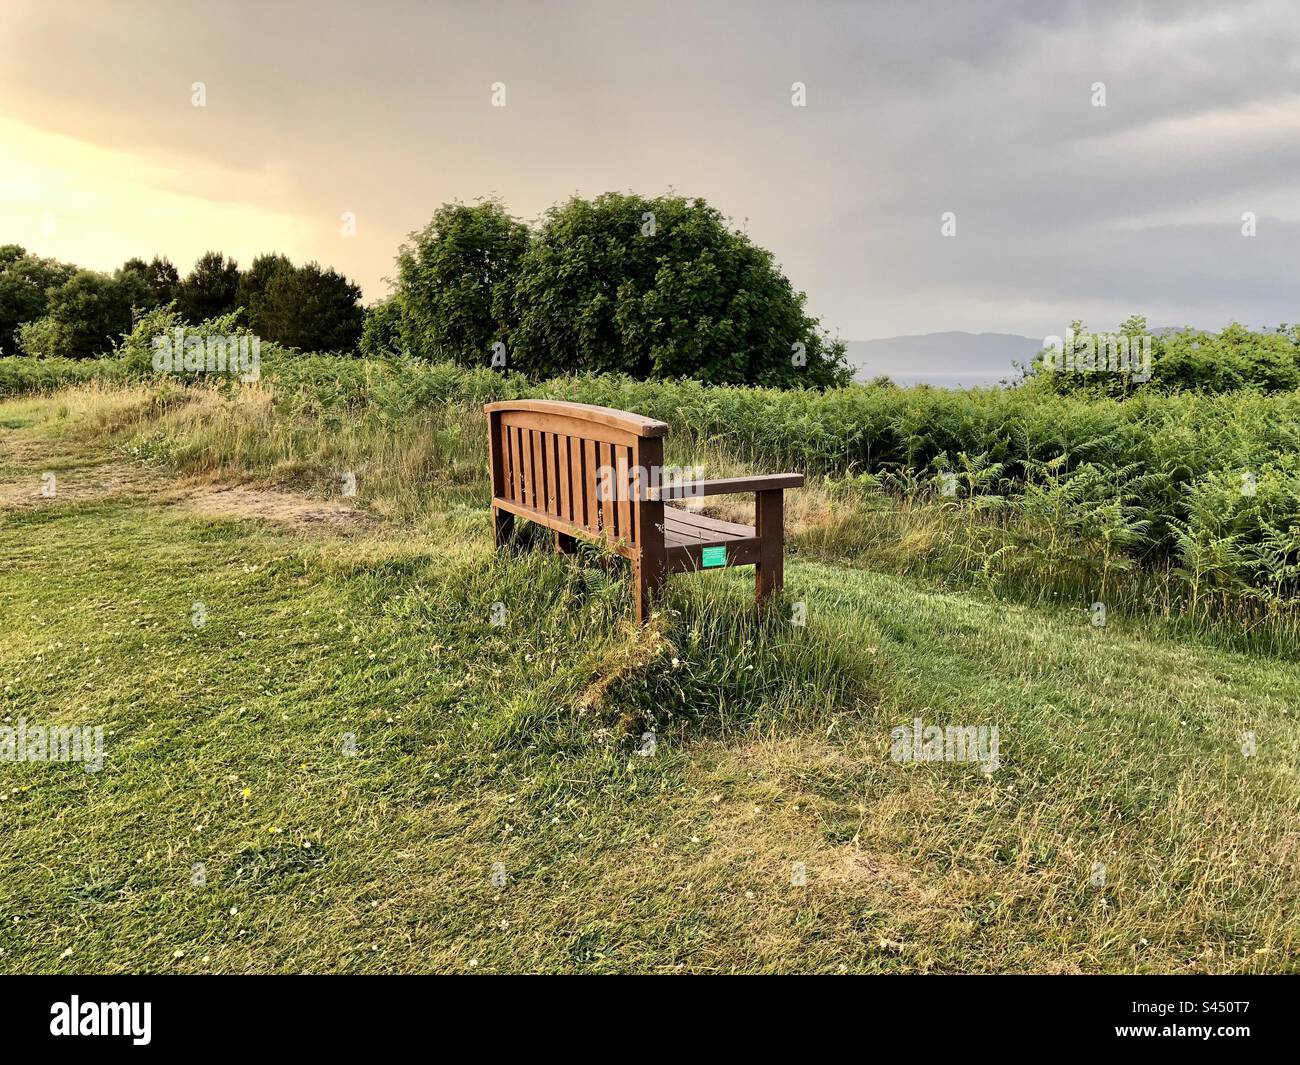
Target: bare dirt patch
291, 508
60, 486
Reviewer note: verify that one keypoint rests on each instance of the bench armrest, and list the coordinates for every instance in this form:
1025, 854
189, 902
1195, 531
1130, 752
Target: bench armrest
766, 482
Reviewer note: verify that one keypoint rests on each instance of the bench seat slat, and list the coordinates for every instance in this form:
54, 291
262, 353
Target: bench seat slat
683, 539
687, 521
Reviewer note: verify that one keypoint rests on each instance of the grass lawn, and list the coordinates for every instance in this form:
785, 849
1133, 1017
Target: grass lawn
349, 768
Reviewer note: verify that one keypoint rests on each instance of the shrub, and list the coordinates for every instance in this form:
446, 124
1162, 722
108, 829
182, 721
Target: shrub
455, 280
42, 339
1192, 361
20, 375
381, 335
1235, 358
85, 317
661, 288
25, 281
161, 341
1237, 533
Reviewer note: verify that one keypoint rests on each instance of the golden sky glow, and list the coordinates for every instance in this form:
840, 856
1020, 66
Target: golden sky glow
96, 207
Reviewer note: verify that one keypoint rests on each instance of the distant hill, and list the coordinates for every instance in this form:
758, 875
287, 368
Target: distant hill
948, 360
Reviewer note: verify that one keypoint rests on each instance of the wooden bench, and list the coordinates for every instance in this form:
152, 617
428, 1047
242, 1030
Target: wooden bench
597, 474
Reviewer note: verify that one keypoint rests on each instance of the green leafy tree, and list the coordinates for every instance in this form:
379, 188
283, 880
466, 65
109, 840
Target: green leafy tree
159, 278
211, 288
132, 278
25, 282
135, 268
87, 315
252, 289
662, 288
164, 279
381, 336
456, 279
310, 308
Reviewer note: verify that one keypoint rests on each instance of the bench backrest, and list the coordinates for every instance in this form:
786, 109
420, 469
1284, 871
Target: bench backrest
575, 465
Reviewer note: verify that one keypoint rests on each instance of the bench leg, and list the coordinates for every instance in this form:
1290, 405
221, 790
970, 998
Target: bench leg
565, 544
769, 523
648, 577
503, 525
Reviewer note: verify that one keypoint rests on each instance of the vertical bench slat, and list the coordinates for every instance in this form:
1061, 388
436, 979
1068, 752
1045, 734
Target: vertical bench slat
548, 472
581, 511
509, 473
539, 451
576, 483
641, 477
623, 464
530, 475
516, 464
553, 479
517, 450
502, 447
580, 482
539, 475
589, 484
652, 558
560, 475
552, 496
525, 440
496, 460
563, 471
553, 482
539, 442
608, 521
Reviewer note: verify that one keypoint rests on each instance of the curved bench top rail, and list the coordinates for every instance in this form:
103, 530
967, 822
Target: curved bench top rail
615, 419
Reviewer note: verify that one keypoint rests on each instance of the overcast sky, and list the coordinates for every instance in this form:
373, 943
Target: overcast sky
1063, 209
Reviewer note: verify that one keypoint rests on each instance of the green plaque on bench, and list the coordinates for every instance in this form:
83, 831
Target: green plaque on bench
714, 556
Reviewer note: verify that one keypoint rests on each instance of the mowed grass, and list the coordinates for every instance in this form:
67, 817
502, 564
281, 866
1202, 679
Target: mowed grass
357, 758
